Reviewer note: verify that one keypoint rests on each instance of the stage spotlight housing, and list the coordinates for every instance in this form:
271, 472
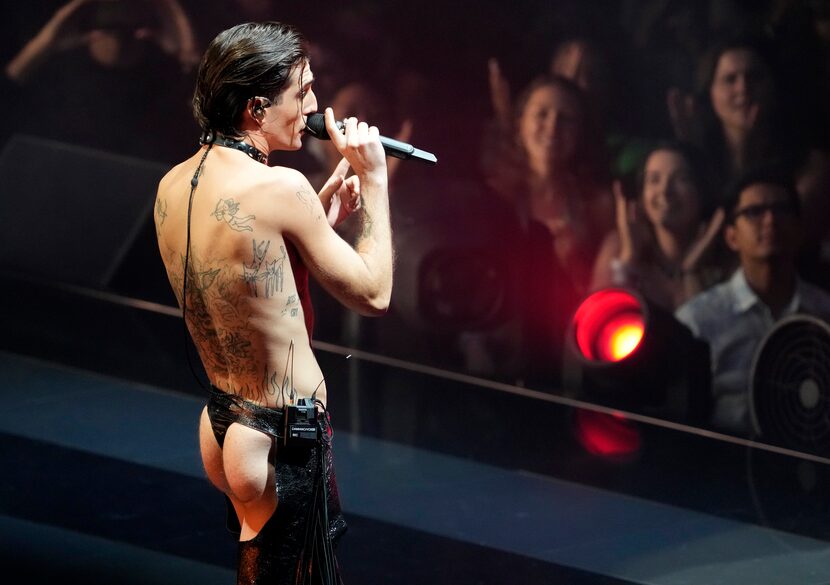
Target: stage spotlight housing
626, 352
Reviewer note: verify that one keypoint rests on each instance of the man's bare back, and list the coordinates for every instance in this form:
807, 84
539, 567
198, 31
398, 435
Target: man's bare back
245, 309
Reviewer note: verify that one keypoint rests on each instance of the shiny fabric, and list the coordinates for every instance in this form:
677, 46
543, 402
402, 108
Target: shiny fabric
296, 544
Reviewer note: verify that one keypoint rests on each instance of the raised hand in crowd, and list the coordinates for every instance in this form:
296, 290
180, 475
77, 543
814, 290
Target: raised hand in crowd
63, 32
500, 97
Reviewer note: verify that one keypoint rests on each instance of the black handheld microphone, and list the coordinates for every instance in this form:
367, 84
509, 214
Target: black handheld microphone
316, 126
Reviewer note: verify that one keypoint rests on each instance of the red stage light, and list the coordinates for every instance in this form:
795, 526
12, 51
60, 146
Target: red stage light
609, 325
607, 435
629, 354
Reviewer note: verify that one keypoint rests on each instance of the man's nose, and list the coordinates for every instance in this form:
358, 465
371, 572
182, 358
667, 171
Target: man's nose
769, 216
741, 84
310, 103
550, 125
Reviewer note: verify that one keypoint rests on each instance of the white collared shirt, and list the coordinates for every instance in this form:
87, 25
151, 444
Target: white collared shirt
733, 320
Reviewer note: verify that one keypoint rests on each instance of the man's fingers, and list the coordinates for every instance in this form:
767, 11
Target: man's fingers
342, 167
334, 132
621, 205
330, 188
494, 70
333, 212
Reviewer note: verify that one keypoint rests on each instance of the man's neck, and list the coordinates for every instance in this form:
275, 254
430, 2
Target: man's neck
773, 282
257, 139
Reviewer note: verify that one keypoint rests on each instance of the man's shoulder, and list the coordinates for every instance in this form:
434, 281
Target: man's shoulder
715, 298
277, 176
814, 300
266, 183
708, 307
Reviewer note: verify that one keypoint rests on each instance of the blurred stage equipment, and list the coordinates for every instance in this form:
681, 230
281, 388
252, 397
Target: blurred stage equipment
452, 267
74, 212
623, 351
790, 385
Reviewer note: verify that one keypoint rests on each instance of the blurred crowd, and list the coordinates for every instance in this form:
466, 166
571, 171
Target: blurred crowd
677, 147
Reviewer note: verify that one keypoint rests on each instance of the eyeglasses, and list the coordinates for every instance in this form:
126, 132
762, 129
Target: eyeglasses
756, 212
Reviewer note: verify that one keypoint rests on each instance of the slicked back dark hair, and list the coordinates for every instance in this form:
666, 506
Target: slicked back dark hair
245, 61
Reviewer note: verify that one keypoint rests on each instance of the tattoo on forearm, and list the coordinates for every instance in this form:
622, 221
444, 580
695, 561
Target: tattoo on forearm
366, 225
227, 210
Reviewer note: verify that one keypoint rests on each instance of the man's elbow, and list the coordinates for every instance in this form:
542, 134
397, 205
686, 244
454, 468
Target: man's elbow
376, 306
375, 303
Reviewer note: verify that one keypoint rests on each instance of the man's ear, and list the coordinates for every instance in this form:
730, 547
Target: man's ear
731, 237
257, 109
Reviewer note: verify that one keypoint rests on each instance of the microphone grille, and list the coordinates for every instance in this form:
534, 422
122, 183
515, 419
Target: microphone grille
316, 126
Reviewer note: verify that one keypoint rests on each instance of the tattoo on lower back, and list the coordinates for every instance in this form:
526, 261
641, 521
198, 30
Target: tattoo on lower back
219, 320
216, 318
227, 210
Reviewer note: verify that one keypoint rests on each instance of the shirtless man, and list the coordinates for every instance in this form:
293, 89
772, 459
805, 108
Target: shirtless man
255, 232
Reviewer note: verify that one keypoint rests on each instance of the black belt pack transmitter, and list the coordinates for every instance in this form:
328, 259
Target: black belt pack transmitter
301, 428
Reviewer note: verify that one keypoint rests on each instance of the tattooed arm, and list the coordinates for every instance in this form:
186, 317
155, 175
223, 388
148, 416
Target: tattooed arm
360, 278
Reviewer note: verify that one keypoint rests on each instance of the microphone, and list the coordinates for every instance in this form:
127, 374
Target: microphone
316, 126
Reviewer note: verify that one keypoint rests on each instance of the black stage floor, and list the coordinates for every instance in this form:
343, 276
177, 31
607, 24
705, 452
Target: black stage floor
444, 479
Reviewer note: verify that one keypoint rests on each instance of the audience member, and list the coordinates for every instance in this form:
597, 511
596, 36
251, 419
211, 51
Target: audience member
599, 72
665, 244
554, 172
582, 60
109, 74
743, 126
763, 227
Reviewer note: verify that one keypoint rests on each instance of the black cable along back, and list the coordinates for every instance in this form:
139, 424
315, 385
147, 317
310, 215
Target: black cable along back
194, 182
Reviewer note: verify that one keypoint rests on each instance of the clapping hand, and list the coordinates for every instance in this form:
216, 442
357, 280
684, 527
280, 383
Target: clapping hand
703, 243
633, 231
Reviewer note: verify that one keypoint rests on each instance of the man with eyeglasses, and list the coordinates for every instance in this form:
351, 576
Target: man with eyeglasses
763, 227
